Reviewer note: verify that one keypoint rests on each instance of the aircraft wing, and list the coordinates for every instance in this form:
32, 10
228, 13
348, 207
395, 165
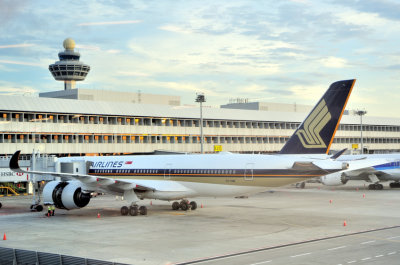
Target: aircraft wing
105, 183
323, 165
371, 170
363, 169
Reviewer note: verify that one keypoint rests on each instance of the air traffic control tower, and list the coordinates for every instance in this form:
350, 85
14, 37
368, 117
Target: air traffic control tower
69, 69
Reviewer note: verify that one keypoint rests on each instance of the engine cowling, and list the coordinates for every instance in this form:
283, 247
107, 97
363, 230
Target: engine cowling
334, 179
65, 195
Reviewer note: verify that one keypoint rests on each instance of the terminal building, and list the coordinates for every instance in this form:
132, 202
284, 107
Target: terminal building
77, 121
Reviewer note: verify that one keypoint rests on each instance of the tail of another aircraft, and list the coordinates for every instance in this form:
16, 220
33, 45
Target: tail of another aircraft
316, 133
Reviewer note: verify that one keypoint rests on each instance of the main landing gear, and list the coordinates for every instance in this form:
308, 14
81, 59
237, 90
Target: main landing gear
184, 205
133, 210
395, 185
375, 186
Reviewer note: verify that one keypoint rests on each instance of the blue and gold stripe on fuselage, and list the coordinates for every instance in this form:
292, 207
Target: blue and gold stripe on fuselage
242, 177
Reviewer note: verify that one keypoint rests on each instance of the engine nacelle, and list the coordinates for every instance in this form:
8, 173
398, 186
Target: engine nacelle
65, 195
334, 179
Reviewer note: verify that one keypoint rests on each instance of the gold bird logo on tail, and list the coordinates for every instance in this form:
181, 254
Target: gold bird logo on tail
309, 136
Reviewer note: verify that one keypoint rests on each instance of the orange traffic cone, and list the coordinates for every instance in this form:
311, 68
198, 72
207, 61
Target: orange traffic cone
201, 206
4, 237
330, 201
151, 202
344, 223
98, 215
364, 195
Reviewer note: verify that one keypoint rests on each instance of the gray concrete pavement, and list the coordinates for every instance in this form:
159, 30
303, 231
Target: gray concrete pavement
227, 225
377, 247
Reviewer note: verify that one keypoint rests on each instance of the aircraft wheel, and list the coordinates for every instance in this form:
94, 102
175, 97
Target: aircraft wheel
143, 210
175, 206
371, 186
124, 210
1, 205
379, 186
39, 208
133, 210
184, 206
193, 205
395, 185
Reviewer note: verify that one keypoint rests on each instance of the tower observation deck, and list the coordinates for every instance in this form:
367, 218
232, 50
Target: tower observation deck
69, 69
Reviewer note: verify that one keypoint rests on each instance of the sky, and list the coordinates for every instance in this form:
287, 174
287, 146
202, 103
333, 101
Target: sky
270, 51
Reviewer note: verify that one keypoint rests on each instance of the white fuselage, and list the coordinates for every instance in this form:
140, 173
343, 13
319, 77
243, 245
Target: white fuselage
211, 175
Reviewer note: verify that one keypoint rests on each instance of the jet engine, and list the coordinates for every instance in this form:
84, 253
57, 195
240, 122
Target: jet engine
65, 194
334, 179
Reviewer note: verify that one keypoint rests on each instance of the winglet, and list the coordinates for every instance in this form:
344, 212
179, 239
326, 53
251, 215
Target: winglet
336, 156
315, 135
14, 166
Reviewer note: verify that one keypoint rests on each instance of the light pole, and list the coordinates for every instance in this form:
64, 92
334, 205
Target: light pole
200, 98
361, 113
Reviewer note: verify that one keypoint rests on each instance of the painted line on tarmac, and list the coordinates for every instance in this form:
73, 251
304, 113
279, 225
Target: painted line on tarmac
262, 262
368, 242
300, 255
337, 248
393, 237
247, 252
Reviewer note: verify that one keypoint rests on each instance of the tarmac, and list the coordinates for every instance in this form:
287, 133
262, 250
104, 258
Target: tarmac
315, 225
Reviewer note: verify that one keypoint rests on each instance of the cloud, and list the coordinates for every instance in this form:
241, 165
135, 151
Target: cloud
124, 22
254, 89
7, 88
333, 62
309, 92
131, 73
21, 63
88, 47
113, 51
176, 29
22, 45
384, 8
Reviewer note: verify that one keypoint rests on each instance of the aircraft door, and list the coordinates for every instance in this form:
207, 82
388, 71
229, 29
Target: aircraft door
248, 172
167, 171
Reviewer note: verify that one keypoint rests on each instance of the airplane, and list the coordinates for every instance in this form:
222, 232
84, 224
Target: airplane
373, 168
173, 178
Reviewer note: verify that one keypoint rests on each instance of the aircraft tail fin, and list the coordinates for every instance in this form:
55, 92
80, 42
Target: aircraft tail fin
315, 134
